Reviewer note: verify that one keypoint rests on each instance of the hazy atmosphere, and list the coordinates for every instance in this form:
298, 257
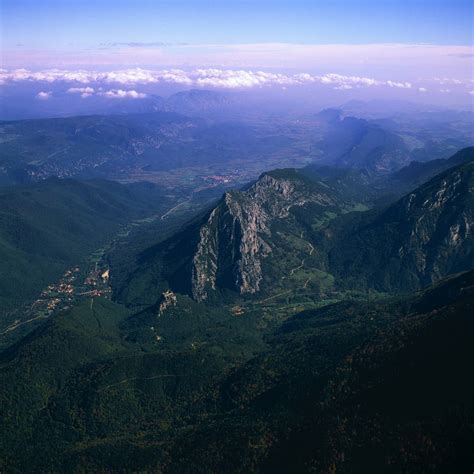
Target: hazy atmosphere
405, 50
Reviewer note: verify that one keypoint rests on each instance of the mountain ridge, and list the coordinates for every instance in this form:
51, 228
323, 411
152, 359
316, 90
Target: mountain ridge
292, 223
422, 237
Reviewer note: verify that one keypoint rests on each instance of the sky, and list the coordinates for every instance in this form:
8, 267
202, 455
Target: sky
421, 43
50, 24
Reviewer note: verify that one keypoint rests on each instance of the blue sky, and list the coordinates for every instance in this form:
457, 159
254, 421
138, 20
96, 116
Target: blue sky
71, 24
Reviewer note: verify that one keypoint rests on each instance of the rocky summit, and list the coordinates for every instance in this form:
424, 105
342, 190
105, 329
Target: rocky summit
238, 235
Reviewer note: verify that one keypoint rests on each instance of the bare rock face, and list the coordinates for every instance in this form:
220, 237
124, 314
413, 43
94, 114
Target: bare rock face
168, 299
421, 238
441, 223
236, 236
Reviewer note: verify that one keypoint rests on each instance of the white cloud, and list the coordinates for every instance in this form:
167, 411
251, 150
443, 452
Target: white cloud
471, 92
234, 79
422, 89
176, 76
122, 94
349, 82
340, 80
448, 81
399, 85
84, 91
445, 91
128, 76
44, 95
82, 80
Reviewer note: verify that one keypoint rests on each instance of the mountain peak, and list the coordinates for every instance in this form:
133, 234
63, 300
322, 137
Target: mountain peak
238, 233
421, 238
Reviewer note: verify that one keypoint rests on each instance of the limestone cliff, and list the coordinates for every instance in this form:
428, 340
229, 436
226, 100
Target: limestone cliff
237, 234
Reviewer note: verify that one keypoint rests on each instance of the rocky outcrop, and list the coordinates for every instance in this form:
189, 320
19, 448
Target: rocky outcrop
168, 299
237, 234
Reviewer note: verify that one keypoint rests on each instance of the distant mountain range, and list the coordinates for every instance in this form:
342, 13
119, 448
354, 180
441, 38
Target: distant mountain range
172, 134
122, 146
358, 143
89, 146
63, 103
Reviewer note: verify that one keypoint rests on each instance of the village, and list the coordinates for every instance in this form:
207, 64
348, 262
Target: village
70, 288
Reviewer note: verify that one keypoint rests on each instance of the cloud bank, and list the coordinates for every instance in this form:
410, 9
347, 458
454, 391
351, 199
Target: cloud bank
85, 81
221, 78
